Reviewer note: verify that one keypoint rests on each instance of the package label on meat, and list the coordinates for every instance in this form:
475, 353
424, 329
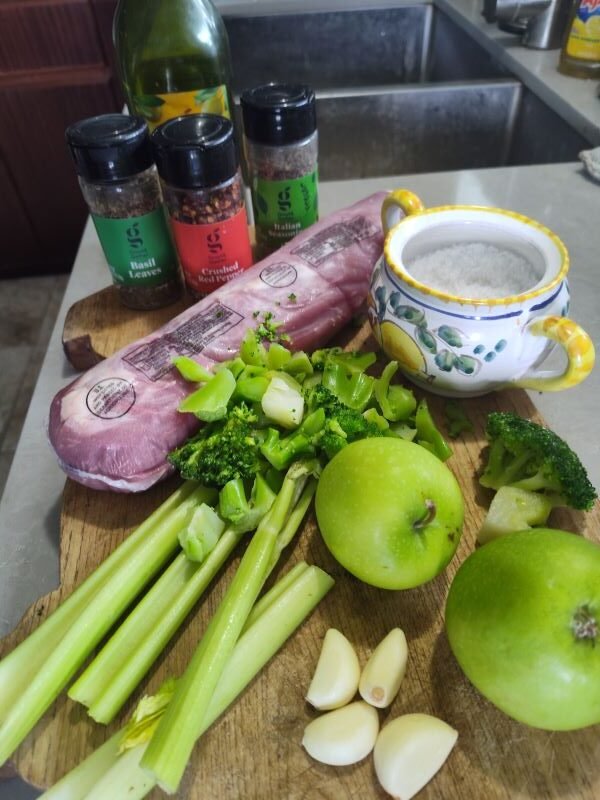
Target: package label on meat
334, 239
110, 398
155, 358
279, 275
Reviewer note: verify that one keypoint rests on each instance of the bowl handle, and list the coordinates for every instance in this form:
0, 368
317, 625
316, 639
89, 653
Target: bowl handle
578, 347
397, 205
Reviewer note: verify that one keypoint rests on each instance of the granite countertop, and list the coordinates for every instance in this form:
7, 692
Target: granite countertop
561, 196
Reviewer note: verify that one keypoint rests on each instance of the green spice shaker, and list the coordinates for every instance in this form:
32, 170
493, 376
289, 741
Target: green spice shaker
281, 146
114, 161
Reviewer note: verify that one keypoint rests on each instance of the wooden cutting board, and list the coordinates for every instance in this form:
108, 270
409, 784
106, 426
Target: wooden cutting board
254, 750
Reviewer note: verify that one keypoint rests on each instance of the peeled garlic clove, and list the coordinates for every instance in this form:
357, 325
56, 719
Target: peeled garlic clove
343, 736
337, 674
409, 751
385, 669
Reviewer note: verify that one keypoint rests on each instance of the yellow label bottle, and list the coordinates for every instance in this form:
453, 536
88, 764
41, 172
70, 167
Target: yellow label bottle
173, 58
580, 55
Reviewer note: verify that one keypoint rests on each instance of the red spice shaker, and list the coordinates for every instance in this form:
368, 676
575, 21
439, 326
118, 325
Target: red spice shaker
198, 164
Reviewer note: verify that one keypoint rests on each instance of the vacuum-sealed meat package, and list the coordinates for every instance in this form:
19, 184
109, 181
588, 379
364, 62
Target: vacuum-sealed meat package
113, 427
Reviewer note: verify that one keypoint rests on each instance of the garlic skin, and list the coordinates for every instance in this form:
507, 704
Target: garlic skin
384, 671
337, 673
343, 736
409, 751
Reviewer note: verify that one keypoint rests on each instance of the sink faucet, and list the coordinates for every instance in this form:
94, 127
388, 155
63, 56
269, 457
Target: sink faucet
540, 23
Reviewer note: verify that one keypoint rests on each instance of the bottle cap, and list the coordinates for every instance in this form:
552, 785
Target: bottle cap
279, 113
110, 147
195, 151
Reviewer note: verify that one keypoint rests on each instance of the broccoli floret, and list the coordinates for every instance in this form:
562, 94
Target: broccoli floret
529, 456
342, 424
221, 451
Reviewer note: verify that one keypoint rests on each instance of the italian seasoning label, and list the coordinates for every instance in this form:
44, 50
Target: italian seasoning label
138, 249
158, 108
283, 208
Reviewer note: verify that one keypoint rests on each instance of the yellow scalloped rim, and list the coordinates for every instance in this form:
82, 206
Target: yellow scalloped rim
481, 301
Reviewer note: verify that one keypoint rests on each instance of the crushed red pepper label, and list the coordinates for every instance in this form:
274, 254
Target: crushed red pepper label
213, 253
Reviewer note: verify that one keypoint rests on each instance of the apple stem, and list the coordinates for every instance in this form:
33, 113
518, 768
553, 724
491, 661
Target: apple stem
584, 624
428, 517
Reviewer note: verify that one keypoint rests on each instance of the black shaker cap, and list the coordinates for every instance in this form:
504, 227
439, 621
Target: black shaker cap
279, 113
110, 147
195, 151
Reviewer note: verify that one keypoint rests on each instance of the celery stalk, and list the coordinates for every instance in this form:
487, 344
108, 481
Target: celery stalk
77, 783
279, 619
115, 672
113, 596
125, 780
171, 746
284, 608
19, 666
293, 522
128, 655
274, 593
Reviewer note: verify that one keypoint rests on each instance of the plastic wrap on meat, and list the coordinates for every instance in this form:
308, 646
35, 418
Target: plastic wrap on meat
113, 427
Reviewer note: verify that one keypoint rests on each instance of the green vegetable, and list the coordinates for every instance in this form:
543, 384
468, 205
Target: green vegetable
191, 370
201, 534
283, 401
209, 402
173, 741
128, 655
428, 435
514, 509
221, 451
325, 400
115, 767
278, 356
396, 402
233, 504
342, 425
36, 671
352, 388
252, 350
528, 456
281, 451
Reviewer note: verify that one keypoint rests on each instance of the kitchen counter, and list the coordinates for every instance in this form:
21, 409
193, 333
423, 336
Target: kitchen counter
561, 196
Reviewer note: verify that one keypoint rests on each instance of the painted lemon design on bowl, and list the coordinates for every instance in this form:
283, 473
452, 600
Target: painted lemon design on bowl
401, 347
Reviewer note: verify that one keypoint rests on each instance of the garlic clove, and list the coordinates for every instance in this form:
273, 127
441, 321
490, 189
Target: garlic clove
385, 670
409, 751
343, 736
337, 674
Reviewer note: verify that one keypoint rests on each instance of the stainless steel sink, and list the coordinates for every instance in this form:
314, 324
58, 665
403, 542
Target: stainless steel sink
400, 90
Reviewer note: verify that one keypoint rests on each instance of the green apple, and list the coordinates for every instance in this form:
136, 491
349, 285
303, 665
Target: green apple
390, 512
523, 620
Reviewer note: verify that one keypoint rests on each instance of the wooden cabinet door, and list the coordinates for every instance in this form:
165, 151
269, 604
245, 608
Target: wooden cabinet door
54, 70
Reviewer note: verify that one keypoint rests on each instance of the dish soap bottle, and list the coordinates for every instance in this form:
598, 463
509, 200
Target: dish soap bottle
580, 54
173, 57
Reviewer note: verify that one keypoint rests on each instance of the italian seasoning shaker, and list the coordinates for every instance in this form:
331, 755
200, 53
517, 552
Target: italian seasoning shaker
202, 185
118, 179
281, 143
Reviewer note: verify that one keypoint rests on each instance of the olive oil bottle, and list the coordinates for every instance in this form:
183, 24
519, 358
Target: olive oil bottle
173, 58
